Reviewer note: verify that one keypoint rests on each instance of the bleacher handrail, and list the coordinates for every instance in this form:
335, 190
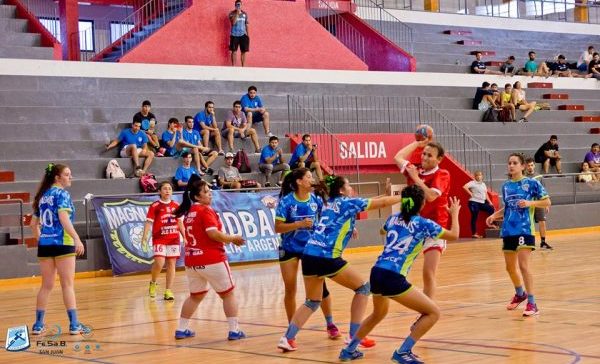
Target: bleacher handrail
573, 180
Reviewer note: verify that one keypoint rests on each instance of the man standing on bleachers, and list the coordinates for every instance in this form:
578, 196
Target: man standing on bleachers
239, 33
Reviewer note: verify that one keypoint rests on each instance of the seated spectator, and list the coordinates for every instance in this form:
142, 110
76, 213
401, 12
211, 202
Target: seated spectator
205, 122
594, 66
236, 126
229, 177
562, 69
148, 121
305, 156
592, 158
508, 68
272, 161
478, 66
505, 101
133, 143
520, 101
495, 95
192, 141
584, 59
532, 68
547, 154
255, 111
184, 171
170, 138
483, 99
478, 200
586, 174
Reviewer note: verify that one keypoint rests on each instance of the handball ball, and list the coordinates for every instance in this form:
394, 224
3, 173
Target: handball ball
423, 132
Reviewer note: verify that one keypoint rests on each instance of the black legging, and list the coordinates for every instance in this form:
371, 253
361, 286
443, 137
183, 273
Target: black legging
475, 207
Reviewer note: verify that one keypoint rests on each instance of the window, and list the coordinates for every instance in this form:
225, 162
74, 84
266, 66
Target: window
86, 32
117, 30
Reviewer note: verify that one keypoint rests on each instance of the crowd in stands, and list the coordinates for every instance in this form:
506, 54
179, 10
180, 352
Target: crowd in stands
510, 100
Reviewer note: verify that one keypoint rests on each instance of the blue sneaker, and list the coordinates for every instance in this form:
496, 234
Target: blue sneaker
38, 328
79, 329
406, 357
346, 355
236, 335
179, 334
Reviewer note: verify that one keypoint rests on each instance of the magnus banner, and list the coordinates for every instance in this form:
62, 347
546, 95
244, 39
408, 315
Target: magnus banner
249, 214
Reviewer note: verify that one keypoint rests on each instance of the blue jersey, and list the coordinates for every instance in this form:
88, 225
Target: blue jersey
252, 103
299, 152
54, 200
127, 137
519, 221
404, 242
268, 152
184, 174
335, 227
192, 137
290, 209
166, 137
202, 118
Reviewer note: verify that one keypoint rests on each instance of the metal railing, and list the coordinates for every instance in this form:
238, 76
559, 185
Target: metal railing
551, 10
566, 188
382, 114
303, 121
339, 27
45, 10
386, 24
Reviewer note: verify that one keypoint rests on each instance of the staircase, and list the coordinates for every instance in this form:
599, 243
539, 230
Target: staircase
15, 41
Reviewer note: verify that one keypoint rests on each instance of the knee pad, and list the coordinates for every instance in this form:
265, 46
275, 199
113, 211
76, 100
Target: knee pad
313, 305
365, 289
325, 291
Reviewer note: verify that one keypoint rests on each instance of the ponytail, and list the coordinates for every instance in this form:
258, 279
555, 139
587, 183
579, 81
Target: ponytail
193, 188
335, 184
413, 198
52, 170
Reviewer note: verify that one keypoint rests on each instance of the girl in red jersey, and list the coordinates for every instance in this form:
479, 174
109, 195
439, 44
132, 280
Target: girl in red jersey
205, 258
166, 239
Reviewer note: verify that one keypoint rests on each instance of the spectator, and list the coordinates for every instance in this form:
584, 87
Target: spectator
478, 66
184, 171
592, 158
148, 121
505, 101
206, 123
508, 68
305, 156
191, 140
521, 103
483, 97
170, 138
255, 111
239, 33
495, 95
562, 69
236, 126
271, 161
532, 68
594, 66
133, 143
548, 155
478, 200
586, 174
229, 176
585, 58
539, 213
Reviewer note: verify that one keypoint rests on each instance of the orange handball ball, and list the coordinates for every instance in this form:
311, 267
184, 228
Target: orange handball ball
423, 132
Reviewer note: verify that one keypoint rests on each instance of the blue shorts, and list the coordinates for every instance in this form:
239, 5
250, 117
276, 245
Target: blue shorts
386, 283
514, 243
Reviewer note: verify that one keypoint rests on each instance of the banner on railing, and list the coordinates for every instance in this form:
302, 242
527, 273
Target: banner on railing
122, 221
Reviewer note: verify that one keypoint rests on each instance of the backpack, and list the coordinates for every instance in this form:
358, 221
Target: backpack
113, 170
148, 183
490, 115
241, 161
504, 115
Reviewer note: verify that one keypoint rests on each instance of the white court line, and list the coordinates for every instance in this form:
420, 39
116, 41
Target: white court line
496, 305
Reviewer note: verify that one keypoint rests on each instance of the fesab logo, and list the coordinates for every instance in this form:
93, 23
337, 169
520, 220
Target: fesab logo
362, 150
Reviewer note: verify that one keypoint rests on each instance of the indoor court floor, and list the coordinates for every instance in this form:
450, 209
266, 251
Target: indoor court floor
473, 290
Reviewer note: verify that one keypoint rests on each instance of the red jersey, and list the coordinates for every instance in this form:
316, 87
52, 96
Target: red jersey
200, 249
438, 180
165, 230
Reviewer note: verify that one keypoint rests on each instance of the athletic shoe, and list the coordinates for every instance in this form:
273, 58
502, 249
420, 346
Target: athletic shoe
269, 134
152, 289
333, 332
286, 344
516, 301
184, 334
169, 295
346, 355
221, 152
364, 343
236, 335
406, 357
531, 310
521, 120
79, 329
546, 246
38, 329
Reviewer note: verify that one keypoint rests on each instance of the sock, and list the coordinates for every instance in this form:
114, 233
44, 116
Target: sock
353, 328
530, 298
329, 320
39, 316
183, 324
353, 344
72, 313
543, 240
407, 345
233, 324
519, 290
291, 331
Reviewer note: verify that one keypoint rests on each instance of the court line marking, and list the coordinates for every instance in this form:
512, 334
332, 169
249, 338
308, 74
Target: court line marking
471, 304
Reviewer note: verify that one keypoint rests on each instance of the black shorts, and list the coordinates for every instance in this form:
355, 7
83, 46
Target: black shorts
386, 283
514, 243
55, 251
285, 255
539, 214
257, 117
242, 42
322, 267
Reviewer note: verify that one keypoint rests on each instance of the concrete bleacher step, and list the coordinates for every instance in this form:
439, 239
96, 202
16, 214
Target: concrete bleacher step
571, 107
13, 51
13, 25
20, 39
587, 118
545, 116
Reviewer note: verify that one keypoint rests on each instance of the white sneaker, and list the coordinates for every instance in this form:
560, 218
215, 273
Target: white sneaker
269, 134
287, 345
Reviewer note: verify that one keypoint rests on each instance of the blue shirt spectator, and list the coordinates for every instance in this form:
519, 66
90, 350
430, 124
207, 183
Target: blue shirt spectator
251, 102
127, 137
168, 136
184, 174
192, 136
202, 118
300, 150
268, 152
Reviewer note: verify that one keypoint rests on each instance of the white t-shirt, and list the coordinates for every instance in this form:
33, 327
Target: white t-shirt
479, 191
585, 57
